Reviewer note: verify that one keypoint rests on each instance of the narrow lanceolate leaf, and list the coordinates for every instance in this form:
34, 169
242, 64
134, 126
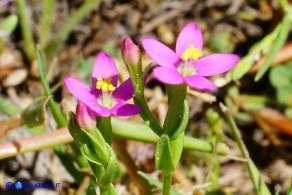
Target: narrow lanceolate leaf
279, 42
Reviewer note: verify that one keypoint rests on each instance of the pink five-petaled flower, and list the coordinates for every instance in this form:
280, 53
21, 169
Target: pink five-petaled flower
104, 98
186, 64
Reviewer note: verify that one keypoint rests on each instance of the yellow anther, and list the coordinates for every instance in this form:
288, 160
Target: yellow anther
104, 84
191, 53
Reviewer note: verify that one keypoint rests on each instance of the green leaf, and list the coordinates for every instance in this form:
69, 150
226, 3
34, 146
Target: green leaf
99, 145
279, 42
280, 76
176, 148
155, 182
257, 50
91, 189
112, 171
241, 68
89, 153
214, 120
284, 95
9, 23
34, 114
288, 112
163, 157
221, 41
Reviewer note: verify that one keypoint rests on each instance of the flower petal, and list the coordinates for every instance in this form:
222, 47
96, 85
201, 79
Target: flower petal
200, 83
104, 67
160, 53
168, 75
215, 64
191, 34
124, 91
87, 95
125, 109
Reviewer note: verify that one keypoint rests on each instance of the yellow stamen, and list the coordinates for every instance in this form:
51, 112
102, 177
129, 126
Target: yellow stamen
104, 84
191, 53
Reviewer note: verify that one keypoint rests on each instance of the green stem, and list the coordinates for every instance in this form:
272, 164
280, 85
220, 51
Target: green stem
174, 113
147, 115
257, 180
26, 29
104, 125
167, 180
60, 119
46, 21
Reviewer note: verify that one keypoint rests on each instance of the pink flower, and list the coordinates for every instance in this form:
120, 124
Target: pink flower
85, 117
186, 64
104, 98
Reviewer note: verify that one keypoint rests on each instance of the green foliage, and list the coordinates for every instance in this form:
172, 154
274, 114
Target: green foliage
100, 155
155, 182
281, 79
269, 46
174, 113
34, 114
8, 25
282, 36
60, 119
221, 41
163, 156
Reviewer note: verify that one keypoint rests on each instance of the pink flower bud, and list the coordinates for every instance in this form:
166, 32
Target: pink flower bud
130, 52
85, 117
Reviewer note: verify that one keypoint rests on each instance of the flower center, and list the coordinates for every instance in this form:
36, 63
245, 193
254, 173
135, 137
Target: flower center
186, 68
107, 88
105, 84
191, 53
107, 100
